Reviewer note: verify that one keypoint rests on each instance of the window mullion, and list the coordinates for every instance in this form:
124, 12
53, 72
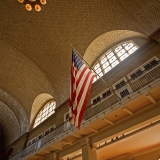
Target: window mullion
116, 55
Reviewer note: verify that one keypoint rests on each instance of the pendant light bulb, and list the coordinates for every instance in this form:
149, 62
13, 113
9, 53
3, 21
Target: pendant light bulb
37, 7
43, 2
28, 7
20, 1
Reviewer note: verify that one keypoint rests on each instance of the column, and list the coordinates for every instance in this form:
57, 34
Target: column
52, 156
156, 35
88, 150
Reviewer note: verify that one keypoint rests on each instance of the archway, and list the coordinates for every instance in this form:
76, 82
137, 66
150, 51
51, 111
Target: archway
3, 153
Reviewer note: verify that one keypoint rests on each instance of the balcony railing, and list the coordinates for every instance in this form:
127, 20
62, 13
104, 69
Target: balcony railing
104, 104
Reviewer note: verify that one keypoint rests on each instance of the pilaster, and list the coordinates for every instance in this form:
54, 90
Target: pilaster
52, 156
88, 150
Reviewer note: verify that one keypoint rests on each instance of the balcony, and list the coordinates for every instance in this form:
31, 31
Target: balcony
142, 91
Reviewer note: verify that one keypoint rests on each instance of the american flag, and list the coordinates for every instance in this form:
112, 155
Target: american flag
81, 83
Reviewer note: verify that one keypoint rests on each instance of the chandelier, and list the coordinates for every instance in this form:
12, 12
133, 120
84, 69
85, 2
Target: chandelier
36, 4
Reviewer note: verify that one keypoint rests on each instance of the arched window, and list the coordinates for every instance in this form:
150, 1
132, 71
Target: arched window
45, 112
113, 57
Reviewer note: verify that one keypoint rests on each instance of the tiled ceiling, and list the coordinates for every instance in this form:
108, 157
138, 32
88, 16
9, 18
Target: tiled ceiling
35, 47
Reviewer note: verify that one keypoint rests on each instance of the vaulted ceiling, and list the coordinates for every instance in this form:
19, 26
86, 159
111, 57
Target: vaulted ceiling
35, 47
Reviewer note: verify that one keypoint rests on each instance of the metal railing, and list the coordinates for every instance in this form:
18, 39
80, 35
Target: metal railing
105, 103
16, 156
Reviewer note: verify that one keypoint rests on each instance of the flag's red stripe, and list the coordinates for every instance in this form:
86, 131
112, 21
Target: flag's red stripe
81, 75
83, 86
72, 82
77, 83
81, 82
81, 91
83, 99
85, 103
73, 96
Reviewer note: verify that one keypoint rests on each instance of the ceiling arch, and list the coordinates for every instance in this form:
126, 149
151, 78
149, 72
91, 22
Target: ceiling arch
22, 78
4, 131
35, 47
106, 41
10, 123
38, 103
45, 37
17, 109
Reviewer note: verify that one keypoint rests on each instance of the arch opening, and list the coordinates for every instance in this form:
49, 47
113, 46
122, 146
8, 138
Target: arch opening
3, 153
39, 102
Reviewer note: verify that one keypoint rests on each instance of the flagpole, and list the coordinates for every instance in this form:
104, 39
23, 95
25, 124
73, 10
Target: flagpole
94, 70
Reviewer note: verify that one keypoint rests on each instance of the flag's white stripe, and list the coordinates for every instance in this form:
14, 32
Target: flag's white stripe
81, 81
80, 105
76, 76
74, 70
74, 86
71, 85
78, 88
79, 71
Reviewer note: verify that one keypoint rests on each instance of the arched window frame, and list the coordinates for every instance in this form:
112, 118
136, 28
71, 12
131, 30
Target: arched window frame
47, 110
113, 57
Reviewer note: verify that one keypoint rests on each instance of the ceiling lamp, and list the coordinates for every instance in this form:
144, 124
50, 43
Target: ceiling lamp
30, 4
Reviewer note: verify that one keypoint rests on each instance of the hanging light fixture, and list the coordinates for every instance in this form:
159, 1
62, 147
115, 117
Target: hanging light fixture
30, 4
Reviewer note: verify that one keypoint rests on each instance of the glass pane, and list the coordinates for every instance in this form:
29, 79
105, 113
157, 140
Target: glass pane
129, 46
52, 112
47, 107
118, 49
42, 120
103, 60
107, 69
98, 70
96, 66
112, 59
132, 50
105, 65
51, 104
38, 123
49, 114
102, 57
121, 52
50, 109
39, 118
100, 74
124, 56
110, 55
115, 63
54, 107
43, 115
124, 44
